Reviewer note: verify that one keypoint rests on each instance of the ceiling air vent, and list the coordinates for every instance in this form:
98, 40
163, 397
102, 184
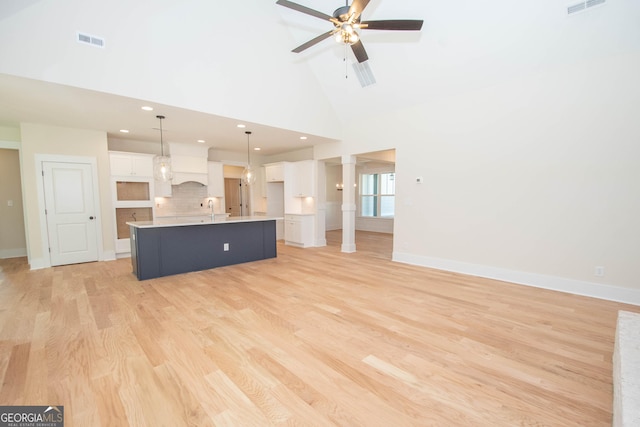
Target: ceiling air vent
583, 5
85, 38
363, 71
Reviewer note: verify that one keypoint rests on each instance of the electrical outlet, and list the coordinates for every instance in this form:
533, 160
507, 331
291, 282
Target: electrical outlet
600, 271
226, 247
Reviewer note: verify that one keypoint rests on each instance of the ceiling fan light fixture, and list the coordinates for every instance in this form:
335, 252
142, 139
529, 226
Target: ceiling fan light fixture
347, 28
346, 37
347, 22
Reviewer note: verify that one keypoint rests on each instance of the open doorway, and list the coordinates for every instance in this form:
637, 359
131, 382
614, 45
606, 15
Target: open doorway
233, 196
236, 195
13, 242
374, 199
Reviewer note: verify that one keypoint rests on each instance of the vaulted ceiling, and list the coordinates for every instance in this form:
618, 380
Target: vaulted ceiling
209, 65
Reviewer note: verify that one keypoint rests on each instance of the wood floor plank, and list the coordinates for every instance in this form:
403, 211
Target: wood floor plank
314, 337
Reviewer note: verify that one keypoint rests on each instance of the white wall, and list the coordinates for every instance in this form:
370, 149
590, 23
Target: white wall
535, 179
227, 58
333, 215
42, 139
9, 133
290, 156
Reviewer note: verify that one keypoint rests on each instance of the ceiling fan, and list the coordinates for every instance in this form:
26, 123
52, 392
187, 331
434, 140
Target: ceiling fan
346, 22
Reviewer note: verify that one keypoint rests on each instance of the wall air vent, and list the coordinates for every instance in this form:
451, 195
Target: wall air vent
583, 5
85, 38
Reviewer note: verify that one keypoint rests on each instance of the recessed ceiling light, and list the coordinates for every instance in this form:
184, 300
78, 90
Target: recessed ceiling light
257, 149
241, 126
201, 141
303, 137
124, 131
147, 108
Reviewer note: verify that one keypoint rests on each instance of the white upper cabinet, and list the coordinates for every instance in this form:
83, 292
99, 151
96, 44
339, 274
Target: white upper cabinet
130, 164
274, 172
215, 186
304, 182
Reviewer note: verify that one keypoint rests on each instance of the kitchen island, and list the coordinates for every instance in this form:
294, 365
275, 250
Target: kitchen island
164, 247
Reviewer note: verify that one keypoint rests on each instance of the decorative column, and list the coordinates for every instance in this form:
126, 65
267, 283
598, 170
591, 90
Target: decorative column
349, 204
321, 204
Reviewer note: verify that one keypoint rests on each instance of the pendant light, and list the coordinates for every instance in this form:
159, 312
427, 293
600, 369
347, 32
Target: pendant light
162, 170
248, 174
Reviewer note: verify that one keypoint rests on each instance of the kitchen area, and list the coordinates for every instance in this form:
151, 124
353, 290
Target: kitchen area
207, 198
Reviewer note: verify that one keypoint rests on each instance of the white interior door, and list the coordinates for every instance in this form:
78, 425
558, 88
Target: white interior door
71, 224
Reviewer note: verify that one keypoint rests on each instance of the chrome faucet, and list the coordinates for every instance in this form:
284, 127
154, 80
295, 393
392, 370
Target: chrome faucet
210, 205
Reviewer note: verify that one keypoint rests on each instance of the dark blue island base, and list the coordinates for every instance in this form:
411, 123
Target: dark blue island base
165, 250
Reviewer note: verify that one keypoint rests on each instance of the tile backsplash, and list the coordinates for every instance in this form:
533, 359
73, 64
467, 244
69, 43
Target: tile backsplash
185, 200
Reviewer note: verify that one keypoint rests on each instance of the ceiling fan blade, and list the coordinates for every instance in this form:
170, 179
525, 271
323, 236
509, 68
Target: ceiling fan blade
359, 52
313, 41
357, 6
393, 24
304, 9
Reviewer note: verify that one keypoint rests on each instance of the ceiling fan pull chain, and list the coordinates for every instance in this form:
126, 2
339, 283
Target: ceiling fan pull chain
346, 66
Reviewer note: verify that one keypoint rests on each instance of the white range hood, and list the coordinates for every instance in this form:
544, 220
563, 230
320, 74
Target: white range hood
189, 163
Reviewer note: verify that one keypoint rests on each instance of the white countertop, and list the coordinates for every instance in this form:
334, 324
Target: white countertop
197, 220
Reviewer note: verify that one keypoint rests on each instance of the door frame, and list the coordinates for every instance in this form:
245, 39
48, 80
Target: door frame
15, 145
247, 190
44, 235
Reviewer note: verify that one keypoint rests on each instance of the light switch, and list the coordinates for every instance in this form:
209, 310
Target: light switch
10, 203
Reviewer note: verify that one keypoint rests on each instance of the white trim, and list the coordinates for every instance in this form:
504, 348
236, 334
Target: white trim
375, 224
109, 256
10, 145
39, 263
13, 253
348, 248
45, 261
577, 287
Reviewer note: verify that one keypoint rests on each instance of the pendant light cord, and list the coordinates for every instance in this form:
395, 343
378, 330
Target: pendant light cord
248, 156
161, 142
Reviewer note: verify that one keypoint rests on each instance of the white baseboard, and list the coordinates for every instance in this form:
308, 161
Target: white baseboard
348, 248
39, 263
577, 287
13, 253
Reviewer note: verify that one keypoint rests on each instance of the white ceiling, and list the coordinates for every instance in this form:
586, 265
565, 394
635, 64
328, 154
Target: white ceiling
463, 46
34, 101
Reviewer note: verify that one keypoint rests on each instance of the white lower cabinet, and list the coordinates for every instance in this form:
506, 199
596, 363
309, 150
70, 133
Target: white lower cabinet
298, 230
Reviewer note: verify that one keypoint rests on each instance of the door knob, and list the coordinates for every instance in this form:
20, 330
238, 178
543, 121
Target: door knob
90, 217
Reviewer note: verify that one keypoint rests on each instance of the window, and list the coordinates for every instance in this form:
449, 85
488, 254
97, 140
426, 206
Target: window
377, 194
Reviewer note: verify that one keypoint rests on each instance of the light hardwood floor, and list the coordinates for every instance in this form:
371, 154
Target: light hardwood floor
314, 337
